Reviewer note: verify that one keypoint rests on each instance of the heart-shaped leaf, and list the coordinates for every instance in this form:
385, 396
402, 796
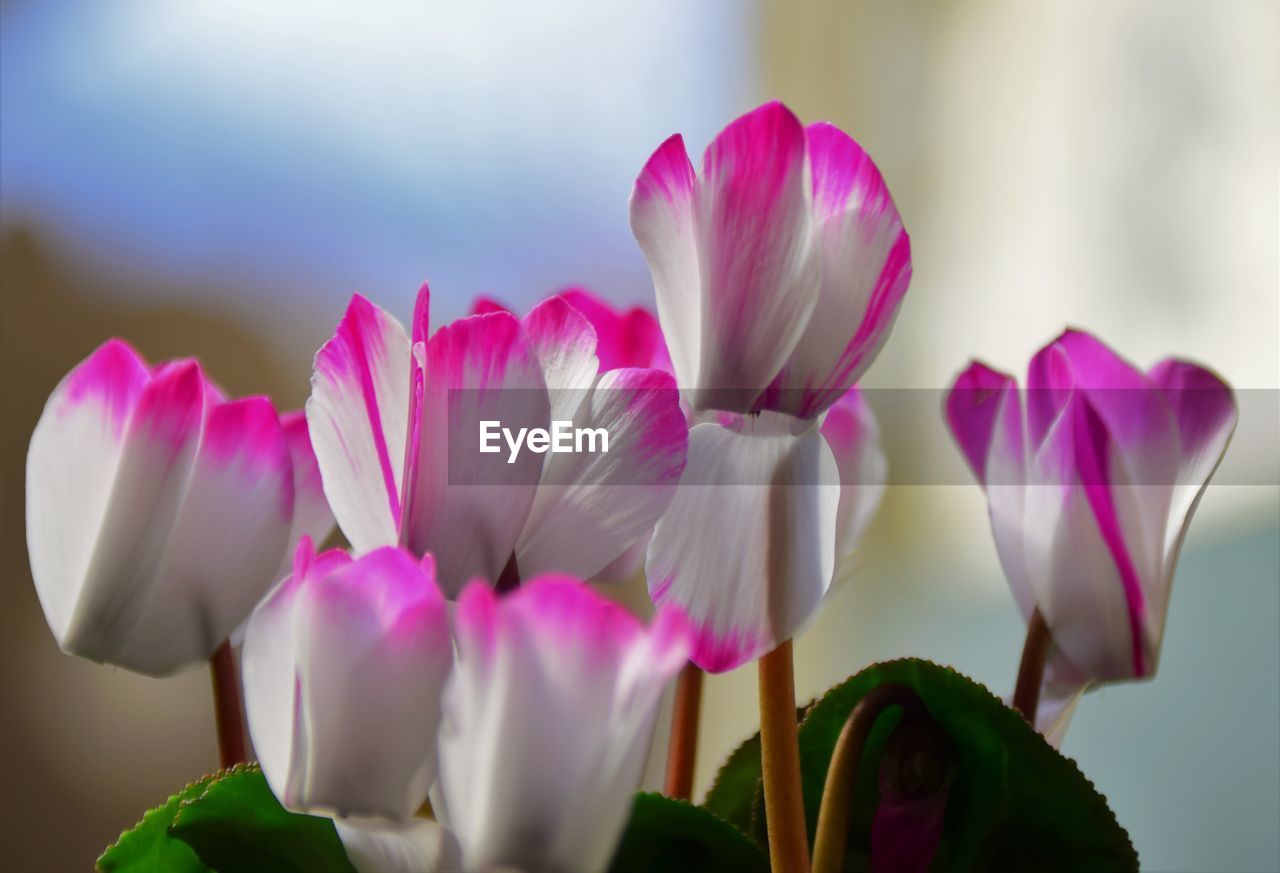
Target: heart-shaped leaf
1015, 803
237, 824
147, 846
665, 834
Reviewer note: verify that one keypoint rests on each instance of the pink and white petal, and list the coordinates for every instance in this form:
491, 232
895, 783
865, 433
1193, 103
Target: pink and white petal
358, 417
984, 412
312, 516
1205, 410
866, 267
747, 548
1140, 423
269, 677
760, 270
853, 436
414, 846
1126, 458
467, 507
227, 540
71, 465
591, 506
972, 407
547, 722
374, 653
485, 305
1081, 572
565, 345
623, 339
151, 479
662, 221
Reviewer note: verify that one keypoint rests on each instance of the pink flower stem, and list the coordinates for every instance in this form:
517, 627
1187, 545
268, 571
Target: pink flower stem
1026, 692
682, 750
226, 707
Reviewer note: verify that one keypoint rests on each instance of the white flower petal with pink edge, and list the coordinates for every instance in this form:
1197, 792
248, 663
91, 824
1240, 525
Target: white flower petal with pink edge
853, 436
590, 507
547, 722
358, 420
138, 482
747, 547
344, 665
466, 507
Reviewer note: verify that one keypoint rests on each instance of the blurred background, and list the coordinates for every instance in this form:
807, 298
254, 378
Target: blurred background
216, 179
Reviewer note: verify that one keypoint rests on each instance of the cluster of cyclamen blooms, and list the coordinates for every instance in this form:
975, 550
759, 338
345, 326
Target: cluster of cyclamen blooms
159, 513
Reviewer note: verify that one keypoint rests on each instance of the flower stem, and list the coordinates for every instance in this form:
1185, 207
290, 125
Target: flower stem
1026, 692
226, 706
842, 772
780, 763
682, 751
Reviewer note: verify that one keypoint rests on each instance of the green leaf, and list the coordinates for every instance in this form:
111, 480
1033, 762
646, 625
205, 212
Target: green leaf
236, 824
665, 834
1016, 801
147, 846
733, 791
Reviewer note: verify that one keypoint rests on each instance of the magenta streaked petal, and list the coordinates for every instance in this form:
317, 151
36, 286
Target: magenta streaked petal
1204, 407
547, 722
591, 506
343, 674
972, 406
759, 268
150, 481
1083, 571
662, 220
747, 547
226, 543
71, 466
866, 267
623, 339
468, 508
853, 436
358, 418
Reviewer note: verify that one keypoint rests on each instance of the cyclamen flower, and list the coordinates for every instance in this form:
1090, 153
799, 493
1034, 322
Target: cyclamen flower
779, 269
1091, 484
547, 722
158, 512
394, 418
344, 666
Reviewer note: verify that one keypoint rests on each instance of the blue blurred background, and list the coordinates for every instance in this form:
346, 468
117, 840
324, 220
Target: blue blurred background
216, 179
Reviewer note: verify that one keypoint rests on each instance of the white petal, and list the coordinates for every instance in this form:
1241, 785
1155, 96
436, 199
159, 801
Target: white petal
591, 506
151, 480
417, 846
853, 435
565, 344
747, 547
358, 420
71, 464
226, 543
